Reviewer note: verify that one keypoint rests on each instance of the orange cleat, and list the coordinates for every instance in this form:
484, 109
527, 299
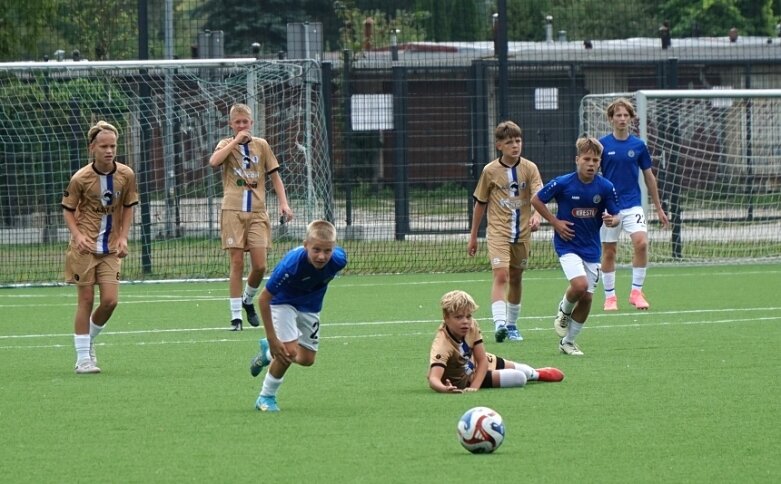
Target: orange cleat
549, 374
637, 299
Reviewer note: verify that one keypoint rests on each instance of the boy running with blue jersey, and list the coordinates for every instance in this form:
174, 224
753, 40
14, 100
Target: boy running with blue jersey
585, 201
290, 305
623, 158
504, 191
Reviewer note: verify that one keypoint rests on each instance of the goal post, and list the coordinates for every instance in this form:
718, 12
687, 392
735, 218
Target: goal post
170, 115
717, 156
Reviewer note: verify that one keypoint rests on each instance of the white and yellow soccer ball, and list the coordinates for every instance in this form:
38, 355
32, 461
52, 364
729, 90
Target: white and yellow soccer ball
480, 430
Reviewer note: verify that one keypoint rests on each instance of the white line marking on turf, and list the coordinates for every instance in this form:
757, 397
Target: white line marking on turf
364, 336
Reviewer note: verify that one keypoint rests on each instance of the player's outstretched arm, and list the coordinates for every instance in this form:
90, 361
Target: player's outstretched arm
435, 381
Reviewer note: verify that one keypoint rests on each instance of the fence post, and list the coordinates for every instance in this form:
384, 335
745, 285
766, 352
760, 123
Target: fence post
401, 189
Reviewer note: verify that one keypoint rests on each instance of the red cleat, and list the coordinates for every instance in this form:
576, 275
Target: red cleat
549, 374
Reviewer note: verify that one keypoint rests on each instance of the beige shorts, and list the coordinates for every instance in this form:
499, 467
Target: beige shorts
503, 255
245, 230
88, 269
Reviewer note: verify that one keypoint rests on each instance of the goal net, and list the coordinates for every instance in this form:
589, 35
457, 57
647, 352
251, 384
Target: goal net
717, 158
170, 115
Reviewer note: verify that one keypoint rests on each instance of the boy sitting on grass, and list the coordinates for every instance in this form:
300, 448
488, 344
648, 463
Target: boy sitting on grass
459, 362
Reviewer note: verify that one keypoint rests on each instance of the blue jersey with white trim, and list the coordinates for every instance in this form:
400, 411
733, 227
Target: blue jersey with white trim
583, 205
622, 161
295, 281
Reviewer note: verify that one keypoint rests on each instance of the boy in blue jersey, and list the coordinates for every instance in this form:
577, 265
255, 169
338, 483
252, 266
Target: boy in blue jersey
623, 158
290, 305
585, 201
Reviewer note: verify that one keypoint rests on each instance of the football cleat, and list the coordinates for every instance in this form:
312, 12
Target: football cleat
235, 324
260, 361
611, 303
86, 367
501, 332
252, 315
570, 348
637, 299
267, 404
549, 374
513, 334
561, 323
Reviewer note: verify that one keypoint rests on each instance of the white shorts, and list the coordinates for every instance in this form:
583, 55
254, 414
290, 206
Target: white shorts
574, 266
291, 324
631, 220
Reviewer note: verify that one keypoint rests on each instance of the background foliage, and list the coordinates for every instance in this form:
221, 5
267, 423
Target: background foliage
101, 29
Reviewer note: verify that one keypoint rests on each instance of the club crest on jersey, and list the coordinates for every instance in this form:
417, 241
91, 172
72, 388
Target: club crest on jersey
107, 198
590, 212
597, 199
630, 153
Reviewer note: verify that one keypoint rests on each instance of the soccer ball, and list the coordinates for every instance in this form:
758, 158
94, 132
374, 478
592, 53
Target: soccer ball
480, 430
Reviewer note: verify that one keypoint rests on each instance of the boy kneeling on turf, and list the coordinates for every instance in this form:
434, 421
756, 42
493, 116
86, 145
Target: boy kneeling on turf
459, 362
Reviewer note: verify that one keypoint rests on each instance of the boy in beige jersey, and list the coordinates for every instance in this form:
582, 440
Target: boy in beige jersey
98, 210
246, 161
504, 190
458, 361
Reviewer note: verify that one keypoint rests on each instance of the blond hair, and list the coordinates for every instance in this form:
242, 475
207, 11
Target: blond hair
98, 127
322, 230
587, 144
240, 108
506, 130
621, 102
457, 301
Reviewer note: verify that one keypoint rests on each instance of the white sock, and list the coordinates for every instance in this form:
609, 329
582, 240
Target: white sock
531, 373
573, 330
609, 283
566, 306
249, 294
81, 342
513, 310
235, 305
270, 385
94, 329
638, 278
511, 378
499, 312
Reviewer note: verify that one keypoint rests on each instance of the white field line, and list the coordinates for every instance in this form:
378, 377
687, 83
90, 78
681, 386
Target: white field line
427, 332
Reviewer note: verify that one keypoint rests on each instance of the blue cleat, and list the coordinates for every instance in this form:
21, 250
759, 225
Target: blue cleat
267, 404
513, 334
260, 360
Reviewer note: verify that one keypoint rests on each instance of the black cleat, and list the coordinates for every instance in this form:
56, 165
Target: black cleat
252, 315
235, 325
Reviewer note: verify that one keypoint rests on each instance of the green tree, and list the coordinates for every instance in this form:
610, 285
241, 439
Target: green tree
451, 20
409, 25
21, 26
264, 21
99, 29
759, 16
710, 18
526, 19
